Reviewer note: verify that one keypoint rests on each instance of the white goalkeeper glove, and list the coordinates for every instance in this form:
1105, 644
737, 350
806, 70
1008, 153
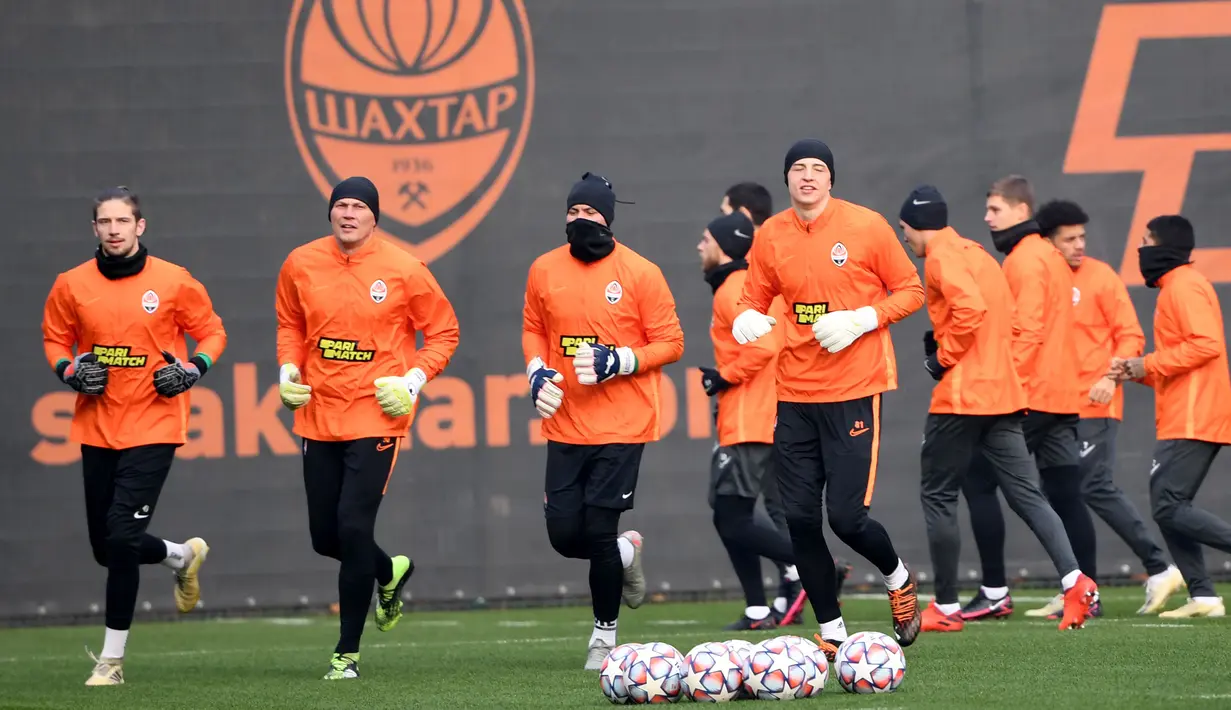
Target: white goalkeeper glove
397, 395
294, 393
545, 387
598, 363
836, 330
750, 326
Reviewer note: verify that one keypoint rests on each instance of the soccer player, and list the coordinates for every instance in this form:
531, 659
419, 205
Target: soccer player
599, 323
1044, 354
842, 276
1106, 327
349, 306
742, 382
1192, 404
976, 407
113, 331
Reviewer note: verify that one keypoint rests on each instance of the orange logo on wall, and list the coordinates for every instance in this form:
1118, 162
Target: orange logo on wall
431, 99
1164, 161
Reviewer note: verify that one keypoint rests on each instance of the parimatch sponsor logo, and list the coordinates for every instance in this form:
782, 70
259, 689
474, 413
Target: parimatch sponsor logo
118, 356
807, 313
346, 350
569, 343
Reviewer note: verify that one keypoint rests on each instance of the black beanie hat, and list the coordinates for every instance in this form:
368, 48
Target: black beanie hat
733, 232
594, 190
358, 188
925, 208
810, 148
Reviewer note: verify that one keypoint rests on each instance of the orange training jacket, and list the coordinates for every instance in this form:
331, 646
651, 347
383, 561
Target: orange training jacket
1188, 368
1043, 347
127, 323
747, 410
1106, 327
621, 300
847, 258
971, 309
346, 320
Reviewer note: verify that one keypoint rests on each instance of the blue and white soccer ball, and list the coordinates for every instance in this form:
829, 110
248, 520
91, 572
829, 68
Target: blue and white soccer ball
611, 673
654, 674
870, 662
713, 673
780, 669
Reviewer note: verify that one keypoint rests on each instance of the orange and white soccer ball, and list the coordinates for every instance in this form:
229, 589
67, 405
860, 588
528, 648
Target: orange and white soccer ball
713, 673
611, 673
653, 674
870, 662
779, 669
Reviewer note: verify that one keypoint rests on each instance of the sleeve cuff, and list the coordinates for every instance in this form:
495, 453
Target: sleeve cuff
61, 366
202, 361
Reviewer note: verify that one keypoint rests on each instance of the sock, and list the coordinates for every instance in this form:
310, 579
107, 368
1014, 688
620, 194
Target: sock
176, 554
780, 605
995, 593
949, 609
897, 578
626, 552
114, 642
604, 631
1068, 580
1203, 600
756, 613
834, 630
792, 573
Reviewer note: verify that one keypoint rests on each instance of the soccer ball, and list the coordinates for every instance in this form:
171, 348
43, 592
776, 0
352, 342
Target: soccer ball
653, 673
818, 656
781, 670
713, 673
611, 673
742, 649
870, 662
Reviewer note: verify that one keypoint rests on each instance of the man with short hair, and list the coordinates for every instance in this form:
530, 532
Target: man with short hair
751, 198
1106, 327
976, 407
842, 275
113, 331
598, 325
349, 306
742, 383
1043, 353
1192, 404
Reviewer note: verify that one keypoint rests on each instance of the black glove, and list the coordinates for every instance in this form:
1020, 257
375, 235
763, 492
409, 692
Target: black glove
712, 381
934, 368
85, 374
177, 378
929, 344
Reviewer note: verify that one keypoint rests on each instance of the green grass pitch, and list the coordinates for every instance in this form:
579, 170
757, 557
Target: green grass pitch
533, 658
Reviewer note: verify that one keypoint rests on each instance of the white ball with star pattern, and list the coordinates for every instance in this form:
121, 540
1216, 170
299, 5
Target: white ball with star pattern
742, 649
611, 673
870, 662
654, 674
818, 656
713, 673
779, 669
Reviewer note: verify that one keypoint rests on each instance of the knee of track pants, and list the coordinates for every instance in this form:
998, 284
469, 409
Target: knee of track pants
801, 519
567, 537
121, 545
848, 522
99, 548
355, 538
1163, 507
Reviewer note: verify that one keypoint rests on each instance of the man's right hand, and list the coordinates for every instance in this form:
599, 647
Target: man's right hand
1103, 391
294, 393
545, 388
86, 375
750, 326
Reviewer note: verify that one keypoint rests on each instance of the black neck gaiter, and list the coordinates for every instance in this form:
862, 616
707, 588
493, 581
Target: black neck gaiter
589, 241
119, 267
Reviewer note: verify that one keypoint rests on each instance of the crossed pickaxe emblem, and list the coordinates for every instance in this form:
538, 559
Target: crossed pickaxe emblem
412, 193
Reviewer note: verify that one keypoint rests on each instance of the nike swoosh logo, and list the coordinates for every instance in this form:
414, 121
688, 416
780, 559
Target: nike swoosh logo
384, 447
741, 234
925, 202
139, 516
627, 495
1153, 468
857, 432
1085, 450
